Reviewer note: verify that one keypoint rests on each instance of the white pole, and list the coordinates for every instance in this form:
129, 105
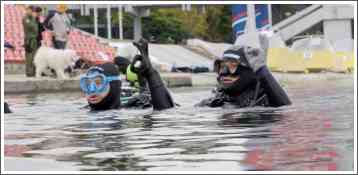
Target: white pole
250, 37
120, 22
109, 28
82, 9
270, 15
137, 27
251, 19
95, 20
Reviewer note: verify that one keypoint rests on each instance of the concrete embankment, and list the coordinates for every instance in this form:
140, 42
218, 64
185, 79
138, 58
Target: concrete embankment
16, 83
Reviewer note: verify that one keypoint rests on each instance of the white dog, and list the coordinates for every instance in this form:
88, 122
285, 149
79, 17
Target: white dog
57, 59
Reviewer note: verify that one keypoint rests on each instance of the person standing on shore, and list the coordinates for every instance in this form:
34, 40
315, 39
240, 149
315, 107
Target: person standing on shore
39, 38
31, 31
60, 25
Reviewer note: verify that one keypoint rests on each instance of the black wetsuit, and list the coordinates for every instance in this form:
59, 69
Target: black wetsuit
141, 98
250, 90
160, 97
242, 95
6, 108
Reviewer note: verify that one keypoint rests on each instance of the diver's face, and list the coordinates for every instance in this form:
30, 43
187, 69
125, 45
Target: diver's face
227, 71
232, 65
97, 98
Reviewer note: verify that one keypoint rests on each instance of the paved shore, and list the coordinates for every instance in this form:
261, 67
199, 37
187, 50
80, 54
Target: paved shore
16, 83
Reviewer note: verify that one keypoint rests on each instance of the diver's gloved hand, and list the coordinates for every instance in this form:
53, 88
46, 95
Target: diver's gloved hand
257, 56
141, 63
142, 46
264, 39
161, 98
219, 98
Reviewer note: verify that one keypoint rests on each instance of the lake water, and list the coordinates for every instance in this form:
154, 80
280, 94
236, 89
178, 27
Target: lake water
53, 132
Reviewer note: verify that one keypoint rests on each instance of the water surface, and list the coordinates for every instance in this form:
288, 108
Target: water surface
54, 132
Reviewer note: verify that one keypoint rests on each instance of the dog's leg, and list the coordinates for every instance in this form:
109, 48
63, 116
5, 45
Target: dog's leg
60, 74
39, 71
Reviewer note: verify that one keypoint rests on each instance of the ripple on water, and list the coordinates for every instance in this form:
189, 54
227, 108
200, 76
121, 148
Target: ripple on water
62, 151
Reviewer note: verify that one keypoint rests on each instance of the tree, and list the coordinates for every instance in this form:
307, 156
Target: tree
164, 26
172, 25
219, 23
214, 24
127, 23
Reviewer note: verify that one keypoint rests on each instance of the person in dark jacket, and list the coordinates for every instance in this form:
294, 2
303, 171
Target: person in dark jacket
41, 28
31, 31
102, 83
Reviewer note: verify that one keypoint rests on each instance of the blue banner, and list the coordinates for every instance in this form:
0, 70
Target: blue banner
262, 17
239, 17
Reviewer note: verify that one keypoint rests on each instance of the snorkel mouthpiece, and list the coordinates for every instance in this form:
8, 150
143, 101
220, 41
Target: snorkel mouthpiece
225, 72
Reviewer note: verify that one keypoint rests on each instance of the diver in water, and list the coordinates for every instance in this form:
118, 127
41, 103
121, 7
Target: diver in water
134, 79
138, 94
102, 84
245, 81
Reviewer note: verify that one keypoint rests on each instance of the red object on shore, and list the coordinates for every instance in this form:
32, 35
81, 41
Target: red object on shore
78, 41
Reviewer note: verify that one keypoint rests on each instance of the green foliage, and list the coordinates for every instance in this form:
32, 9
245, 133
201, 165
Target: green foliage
164, 26
127, 22
173, 25
212, 24
219, 21
194, 22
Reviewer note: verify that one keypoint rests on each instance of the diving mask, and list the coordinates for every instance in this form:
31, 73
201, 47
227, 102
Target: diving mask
225, 67
95, 82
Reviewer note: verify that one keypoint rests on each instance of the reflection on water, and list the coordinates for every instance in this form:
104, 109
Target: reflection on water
316, 133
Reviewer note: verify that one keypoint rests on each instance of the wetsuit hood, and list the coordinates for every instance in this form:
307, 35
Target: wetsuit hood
233, 53
122, 63
112, 100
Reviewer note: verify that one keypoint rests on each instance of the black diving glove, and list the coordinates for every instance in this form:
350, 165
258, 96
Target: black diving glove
161, 98
219, 98
141, 63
